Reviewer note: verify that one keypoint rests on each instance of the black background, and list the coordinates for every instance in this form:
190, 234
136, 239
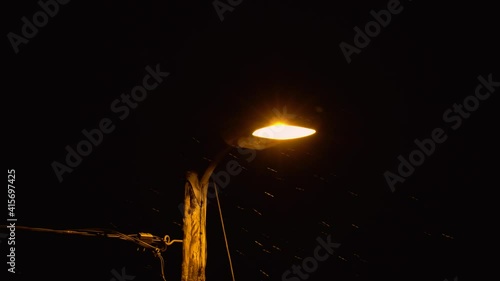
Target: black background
264, 55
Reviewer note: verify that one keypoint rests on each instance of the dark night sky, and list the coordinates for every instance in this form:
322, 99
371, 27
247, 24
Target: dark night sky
264, 56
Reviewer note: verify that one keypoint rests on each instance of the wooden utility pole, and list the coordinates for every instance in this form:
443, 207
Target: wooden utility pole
194, 251
194, 242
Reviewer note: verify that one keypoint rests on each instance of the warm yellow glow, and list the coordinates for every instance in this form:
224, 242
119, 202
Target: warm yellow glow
281, 131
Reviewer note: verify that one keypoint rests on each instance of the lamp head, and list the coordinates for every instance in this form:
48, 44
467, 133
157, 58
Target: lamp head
283, 131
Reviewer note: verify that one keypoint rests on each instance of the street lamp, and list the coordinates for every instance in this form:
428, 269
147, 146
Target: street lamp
196, 190
283, 131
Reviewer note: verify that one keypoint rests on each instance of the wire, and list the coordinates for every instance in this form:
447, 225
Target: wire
224, 231
109, 233
95, 232
162, 263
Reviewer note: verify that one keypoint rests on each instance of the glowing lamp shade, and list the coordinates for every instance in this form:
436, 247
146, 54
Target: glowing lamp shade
281, 131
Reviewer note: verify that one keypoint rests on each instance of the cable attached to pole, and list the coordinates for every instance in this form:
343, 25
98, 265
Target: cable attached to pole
145, 240
224, 231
